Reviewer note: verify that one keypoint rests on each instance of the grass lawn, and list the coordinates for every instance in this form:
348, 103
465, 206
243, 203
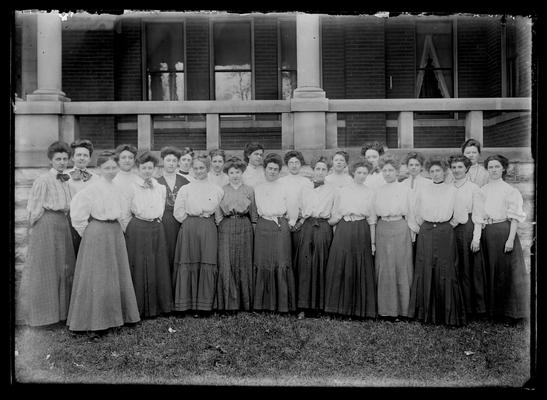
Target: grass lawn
269, 349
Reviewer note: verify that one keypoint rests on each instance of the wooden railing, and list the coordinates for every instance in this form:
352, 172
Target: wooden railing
145, 110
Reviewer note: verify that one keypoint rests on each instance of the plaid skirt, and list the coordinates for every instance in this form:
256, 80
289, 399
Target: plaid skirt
149, 266
46, 281
235, 264
102, 295
350, 287
436, 295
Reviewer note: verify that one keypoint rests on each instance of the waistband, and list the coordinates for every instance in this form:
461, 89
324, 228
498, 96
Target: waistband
490, 221
201, 216
108, 221
147, 220
56, 211
238, 216
436, 224
391, 218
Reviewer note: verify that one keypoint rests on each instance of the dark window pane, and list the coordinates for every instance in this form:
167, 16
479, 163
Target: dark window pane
164, 46
166, 86
233, 85
232, 45
288, 44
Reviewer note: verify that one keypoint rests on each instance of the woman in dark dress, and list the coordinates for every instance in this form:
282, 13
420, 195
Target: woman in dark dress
172, 182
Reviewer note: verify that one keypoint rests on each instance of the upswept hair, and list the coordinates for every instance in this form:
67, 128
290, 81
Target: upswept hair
441, 162
416, 156
170, 150
128, 147
291, 154
504, 161
379, 147
146, 157
455, 158
234, 162
389, 159
359, 164
273, 158
187, 150
204, 158
250, 148
58, 147
343, 153
107, 155
324, 160
471, 142
218, 152
85, 143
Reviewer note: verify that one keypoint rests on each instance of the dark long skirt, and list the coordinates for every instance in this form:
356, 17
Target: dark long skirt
394, 267
436, 295
196, 270
76, 239
102, 295
46, 280
274, 286
350, 282
235, 264
508, 282
171, 227
149, 267
471, 270
311, 256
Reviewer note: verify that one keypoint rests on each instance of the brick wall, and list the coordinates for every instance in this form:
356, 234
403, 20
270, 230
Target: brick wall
400, 57
524, 48
472, 57
512, 133
333, 63
194, 138
493, 45
265, 51
197, 58
128, 60
235, 139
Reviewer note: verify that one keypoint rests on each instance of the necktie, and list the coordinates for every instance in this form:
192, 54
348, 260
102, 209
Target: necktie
79, 174
147, 184
63, 177
317, 184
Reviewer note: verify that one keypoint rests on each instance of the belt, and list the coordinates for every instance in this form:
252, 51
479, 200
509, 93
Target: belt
437, 223
238, 215
57, 211
495, 221
108, 221
392, 218
201, 216
316, 220
148, 220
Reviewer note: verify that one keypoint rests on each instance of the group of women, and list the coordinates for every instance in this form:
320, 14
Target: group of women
222, 234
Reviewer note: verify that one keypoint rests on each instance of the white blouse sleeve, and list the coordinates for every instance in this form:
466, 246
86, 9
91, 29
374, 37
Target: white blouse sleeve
179, 211
80, 211
372, 218
125, 205
35, 204
513, 204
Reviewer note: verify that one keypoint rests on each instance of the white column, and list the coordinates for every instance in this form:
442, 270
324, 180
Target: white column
145, 132
474, 125
213, 131
405, 129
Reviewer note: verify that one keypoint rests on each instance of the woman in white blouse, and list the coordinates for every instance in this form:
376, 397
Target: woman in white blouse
393, 259
436, 295
146, 244
467, 222
477, 174
102, 294
312, 247
196, 270
350, 287
508, 281
372, 153
126, 175
254, 173
274, 288
339, 176
216, 175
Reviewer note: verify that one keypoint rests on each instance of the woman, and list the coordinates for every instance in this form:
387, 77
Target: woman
393, 260
185, 164
46, 280
312, 248
471, 148
274, 287
102, 295
80, 176
254, 173
339, 177
216, 175
508, 282
436, 294
196, 268
145, 239
467, 222
372, 153
126, 176
172, 182
350, 284
236, 222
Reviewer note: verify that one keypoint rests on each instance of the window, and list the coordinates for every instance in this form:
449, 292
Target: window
165, 61
287, 57
232, 60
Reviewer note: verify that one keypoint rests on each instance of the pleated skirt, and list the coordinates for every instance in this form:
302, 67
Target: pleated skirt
235, 264
436, 295
310, 262
171, 227
149, 266
394, 267
102, 294
274, 285
196, 270
508, 282
471, 270
350, 287
46, 281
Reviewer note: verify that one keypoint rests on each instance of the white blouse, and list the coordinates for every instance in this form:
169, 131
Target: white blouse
148, 203
124, 181
198, 198
295, 186
339, 180
354, 203
476, 174
435, 203
469, 200
392, 199
253, 176
219, 180
501, 200
273, 201
47, 193
318, 202
101, 200
77, 185
375, 180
